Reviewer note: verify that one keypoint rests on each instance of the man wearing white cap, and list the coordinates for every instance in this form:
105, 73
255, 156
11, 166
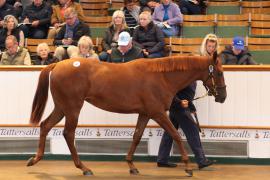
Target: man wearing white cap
125, 51
237, 53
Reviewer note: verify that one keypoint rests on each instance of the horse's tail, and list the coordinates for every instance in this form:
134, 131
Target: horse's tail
41, 95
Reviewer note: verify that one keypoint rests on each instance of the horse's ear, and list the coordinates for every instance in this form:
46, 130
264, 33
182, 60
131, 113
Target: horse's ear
215, 55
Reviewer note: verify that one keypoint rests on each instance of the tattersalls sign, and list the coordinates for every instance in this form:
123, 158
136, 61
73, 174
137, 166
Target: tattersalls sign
107, 132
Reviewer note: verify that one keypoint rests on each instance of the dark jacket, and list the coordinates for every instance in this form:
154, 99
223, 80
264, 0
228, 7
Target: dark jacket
42, 13
107, 40
3, 35
80, 30
7, 9
244, 58
38, 61
117, 57
151, 39
187, 93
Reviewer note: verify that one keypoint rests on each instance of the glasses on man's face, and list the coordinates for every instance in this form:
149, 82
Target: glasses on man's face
69, 18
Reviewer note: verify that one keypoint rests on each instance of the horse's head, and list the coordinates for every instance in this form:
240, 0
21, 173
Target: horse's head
215, 83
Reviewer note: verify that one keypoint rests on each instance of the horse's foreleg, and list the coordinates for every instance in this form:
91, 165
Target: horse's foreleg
45, 127
166, 124
69, 134
141, 124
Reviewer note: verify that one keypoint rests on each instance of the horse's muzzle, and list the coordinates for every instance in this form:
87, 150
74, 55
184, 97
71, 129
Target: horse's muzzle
221, 94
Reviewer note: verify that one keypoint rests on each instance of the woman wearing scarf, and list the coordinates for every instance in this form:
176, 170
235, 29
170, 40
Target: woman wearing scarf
168, 17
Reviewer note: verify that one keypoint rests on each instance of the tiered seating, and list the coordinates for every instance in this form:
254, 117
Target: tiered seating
260, 25
255, 7
183, 46
197, 25
31, 44
232, 25
223, 7
260, 49
98, 25
117, 4
95, 7
97, 44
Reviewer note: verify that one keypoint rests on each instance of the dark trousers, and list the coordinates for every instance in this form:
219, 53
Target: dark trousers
35, 33
181, 117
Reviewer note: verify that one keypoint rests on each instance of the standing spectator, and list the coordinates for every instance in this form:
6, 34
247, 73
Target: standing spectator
15, 55
131, 11
69, 34
38, 15
149, 5
44, 56
110, 38
149, 37
85, 48
168, 17
237, 53
125, 51
180, 114
57, 18
6, 9
11, 28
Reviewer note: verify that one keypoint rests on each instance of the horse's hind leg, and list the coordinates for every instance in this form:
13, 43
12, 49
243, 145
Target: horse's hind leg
166, 124
69, 134
141, 124
45, 127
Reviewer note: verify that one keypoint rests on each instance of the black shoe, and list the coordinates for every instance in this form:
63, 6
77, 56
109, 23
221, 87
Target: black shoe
205, 164
166, 165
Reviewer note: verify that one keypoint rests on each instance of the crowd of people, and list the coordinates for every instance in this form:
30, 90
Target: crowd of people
63, 21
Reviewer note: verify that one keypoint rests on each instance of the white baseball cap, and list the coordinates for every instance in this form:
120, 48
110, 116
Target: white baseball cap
124, 38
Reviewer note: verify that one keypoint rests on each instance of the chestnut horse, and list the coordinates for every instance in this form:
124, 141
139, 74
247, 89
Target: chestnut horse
143, 86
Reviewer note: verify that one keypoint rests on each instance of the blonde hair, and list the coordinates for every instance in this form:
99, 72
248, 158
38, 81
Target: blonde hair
43, 45
86, 41
148, 14
121, 14
70, 11
211, 38
7, 17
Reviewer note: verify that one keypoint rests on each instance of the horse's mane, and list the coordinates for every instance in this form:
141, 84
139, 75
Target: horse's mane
174, 63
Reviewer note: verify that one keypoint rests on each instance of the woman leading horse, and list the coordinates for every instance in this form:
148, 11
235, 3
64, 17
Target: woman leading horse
144, 86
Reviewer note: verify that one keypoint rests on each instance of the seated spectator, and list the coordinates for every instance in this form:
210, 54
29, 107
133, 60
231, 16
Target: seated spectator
149, 37
149, 5
191, 7
17, 4
131, 11
57, 18
69, 34
168, 17
11, 28
44, 57
6, 9
85, 48
125, 51
209, 45
15, 55
37, 20
111, 34
237, 53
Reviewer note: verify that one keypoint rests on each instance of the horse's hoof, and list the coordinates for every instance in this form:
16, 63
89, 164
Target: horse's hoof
88, 173
30, 161
134, 171
189, 172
